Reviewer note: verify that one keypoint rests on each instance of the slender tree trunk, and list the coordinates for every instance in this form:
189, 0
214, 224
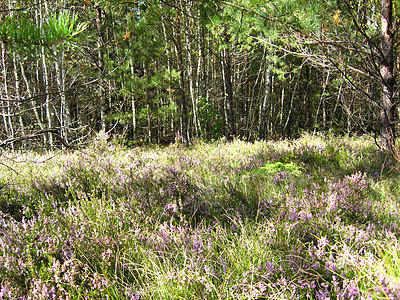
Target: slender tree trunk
264, 104
230, 124
322, 102
60, 78
182, 99
33, 103
8, 113
100, 62
4, 93
149, 131
49, 115
338, 100
200, 78
282, 112
387, 74
10, 104
203, 91
133, 105
271, 124
170, 126
287, 129
192, 85
18, 93
171, 123
260, 97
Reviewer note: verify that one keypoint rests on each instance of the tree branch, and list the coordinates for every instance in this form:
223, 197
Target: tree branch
34, 135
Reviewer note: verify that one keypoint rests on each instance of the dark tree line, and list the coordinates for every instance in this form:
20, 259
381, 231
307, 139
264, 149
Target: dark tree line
157, 71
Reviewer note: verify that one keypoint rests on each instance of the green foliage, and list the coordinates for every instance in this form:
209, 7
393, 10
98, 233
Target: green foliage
23, 32
210, 119
273, 167
168, 110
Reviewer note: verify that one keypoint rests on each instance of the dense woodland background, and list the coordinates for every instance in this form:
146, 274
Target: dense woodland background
159, 71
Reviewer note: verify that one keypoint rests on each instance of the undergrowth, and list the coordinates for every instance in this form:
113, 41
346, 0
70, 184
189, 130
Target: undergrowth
313, 218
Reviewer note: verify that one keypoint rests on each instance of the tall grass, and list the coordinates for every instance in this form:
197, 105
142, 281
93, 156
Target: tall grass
313, 218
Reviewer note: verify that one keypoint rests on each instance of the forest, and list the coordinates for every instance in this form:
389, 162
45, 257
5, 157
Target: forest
152, 72
189, 149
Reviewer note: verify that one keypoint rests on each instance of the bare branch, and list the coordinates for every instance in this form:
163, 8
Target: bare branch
36, 135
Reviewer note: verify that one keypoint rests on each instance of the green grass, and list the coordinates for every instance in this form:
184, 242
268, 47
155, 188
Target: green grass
310, 218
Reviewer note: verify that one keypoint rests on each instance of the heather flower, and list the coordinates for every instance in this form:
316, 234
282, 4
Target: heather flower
41, 290
106, 256
99, 282
322, 242
5, 292
171, 207
280, 176
323, 293
98, 206
349, 291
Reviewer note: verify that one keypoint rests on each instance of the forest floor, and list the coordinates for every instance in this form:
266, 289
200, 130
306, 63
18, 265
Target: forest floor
312, 218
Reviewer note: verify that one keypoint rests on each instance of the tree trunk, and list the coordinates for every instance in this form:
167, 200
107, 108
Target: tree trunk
387, 75
264, 104
49, 115
133, 105
193, 81
322, 102
100, 62
147, 102
46, 81
4, 92
33, 103
8, 113
64, 108
182, 99
230, 124
17, 93
287, 130
282, 112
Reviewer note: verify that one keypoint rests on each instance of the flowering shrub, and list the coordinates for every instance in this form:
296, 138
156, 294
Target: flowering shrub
304, 219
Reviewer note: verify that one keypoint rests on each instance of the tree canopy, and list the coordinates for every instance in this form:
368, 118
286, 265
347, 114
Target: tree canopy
159, 71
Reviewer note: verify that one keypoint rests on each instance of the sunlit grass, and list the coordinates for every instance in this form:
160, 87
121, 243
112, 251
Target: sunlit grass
315, 218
